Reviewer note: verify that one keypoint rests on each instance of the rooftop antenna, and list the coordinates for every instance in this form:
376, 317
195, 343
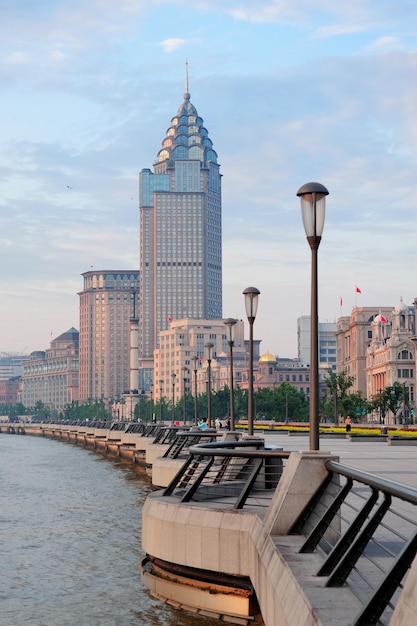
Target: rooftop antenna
186, 94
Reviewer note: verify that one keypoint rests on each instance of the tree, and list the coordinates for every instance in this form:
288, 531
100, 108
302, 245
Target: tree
355, 404
290, 404
338, 386
380, 403
265, 403
394, 396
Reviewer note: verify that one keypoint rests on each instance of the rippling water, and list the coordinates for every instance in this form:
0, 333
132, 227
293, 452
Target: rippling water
70, 523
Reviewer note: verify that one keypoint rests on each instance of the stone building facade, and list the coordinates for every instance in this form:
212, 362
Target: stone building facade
390, 356
51, 376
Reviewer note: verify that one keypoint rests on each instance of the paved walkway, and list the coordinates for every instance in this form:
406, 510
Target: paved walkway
398, 463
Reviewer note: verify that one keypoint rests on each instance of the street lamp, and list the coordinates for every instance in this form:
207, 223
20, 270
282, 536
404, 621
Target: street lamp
185, 371
313, 210
173, 376
161, 382
195, 369
151, 404
251, 303
230, 324
209, 347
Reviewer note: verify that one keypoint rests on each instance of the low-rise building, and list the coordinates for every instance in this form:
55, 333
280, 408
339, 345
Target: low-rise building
354, 336
390, 356
9, 391
51, 376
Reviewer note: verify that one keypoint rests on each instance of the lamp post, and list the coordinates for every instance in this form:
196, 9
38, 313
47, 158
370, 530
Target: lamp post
251, 303
161, 382
195, 369
230, 325
173, 376
209, 347
151, 404
184, 379
313, 210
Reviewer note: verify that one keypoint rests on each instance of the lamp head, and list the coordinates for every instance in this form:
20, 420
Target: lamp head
230, 324
313, 210
251, 302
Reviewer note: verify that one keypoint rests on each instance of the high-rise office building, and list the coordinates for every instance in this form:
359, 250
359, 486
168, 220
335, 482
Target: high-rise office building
11, 364
326, 339
107, 304
180, 233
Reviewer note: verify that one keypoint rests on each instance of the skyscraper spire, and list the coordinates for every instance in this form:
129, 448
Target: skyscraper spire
186, 94
180, 233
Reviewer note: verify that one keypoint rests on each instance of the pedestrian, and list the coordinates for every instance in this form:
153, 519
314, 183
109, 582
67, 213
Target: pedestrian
348, 424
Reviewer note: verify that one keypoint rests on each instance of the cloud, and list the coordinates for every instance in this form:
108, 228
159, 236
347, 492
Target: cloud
336, 30
86, 103
385, 44
171, 45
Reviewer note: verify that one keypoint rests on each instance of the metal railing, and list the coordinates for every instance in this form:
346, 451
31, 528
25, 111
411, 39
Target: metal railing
365, 528
231, 474
184, 439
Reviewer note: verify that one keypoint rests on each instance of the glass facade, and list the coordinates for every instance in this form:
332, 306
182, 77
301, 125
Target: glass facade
180, 232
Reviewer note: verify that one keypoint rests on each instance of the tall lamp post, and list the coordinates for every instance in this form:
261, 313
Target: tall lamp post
173, 376
184, 400
230, 325
151, 404
251, 303
195, 369
313, 210
209, 347
161, 382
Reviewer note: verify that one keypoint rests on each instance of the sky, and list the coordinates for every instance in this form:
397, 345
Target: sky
290, 91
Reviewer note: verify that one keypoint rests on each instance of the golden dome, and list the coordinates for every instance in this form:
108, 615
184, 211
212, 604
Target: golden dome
267, 358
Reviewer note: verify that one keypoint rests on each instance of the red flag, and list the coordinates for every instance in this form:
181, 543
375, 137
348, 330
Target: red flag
383, 319
358, 290
169, 320
341, 302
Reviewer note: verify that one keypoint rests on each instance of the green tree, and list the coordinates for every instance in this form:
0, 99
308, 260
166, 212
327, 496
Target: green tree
290, 404
355, 405
264, 400
379, 403
337, 387
394, 396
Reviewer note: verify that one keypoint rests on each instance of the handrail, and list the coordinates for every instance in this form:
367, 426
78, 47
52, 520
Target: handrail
240, 449
404, 492
180, 446
235, 473
367, 539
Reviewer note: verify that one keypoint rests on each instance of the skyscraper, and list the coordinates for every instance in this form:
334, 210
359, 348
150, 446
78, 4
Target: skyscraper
107, 304
180, 233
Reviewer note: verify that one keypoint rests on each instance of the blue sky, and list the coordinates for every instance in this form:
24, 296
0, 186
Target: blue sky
291, 91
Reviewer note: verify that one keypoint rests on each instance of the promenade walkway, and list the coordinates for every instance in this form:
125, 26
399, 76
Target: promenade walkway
191, 534
286, 578
397, 463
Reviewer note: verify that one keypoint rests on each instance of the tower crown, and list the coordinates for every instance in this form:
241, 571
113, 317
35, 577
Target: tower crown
187, 138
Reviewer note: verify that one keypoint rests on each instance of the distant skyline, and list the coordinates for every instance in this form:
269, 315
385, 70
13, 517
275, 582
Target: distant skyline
290, 92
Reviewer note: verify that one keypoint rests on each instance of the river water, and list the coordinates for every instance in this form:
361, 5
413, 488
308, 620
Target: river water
70, 525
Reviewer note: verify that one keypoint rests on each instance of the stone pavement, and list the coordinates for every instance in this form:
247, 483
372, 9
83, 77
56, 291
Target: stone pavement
397, 463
